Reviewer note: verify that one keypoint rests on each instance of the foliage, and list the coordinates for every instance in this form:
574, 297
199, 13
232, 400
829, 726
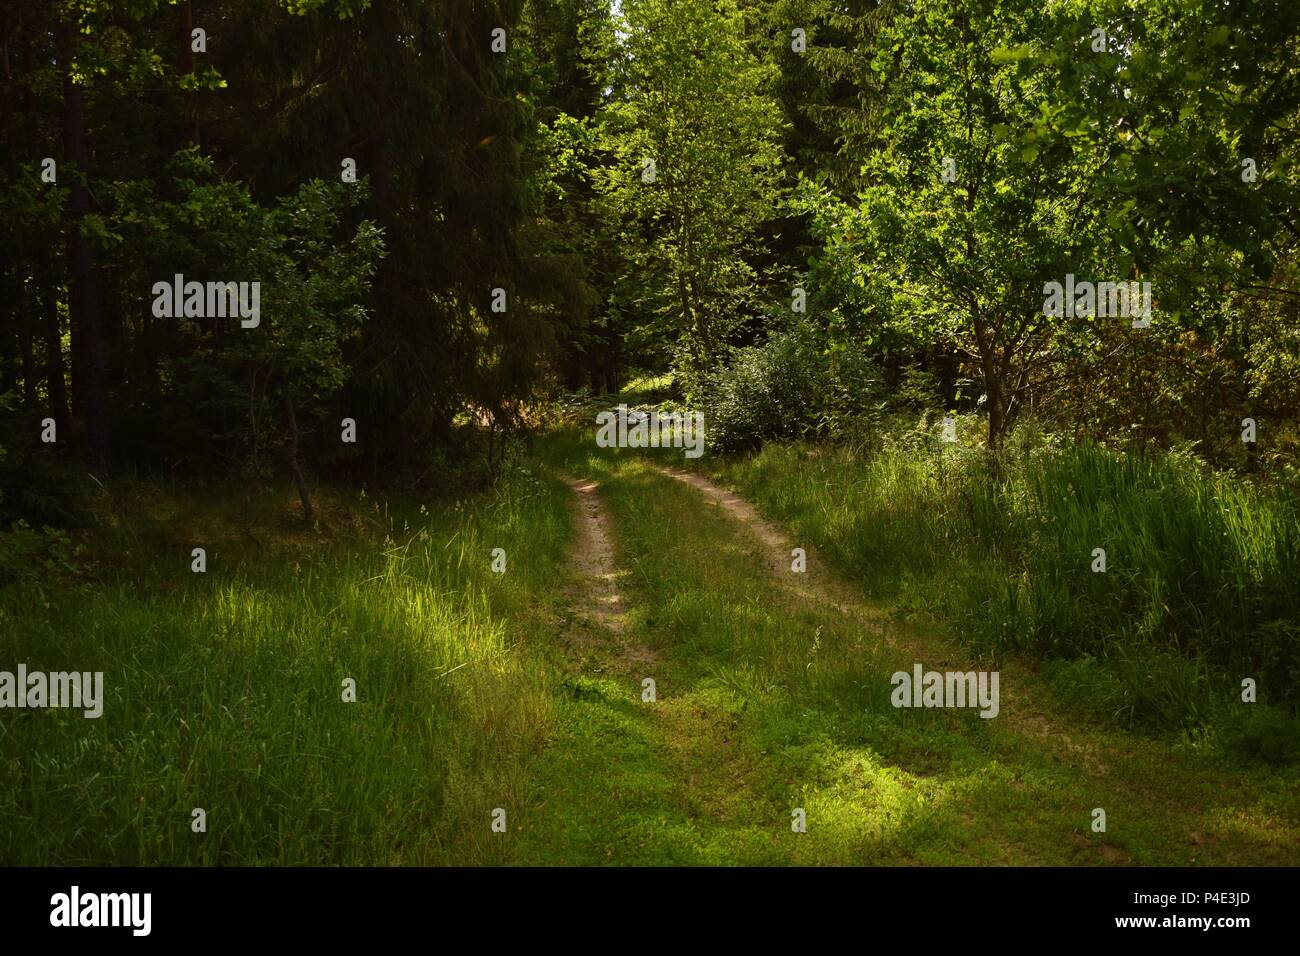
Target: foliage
1002, 151
1199, 565
696, 105
792, 386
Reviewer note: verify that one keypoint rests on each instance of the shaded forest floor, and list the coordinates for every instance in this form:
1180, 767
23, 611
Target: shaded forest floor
524, 692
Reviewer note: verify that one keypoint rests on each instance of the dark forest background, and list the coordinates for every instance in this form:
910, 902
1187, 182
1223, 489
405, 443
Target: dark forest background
798, 151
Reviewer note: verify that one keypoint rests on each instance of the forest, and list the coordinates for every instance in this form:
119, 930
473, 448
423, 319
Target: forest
650, 432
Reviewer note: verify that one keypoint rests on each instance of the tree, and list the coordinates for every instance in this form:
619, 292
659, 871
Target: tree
90, 360
696, 167
313, 275
1008, 146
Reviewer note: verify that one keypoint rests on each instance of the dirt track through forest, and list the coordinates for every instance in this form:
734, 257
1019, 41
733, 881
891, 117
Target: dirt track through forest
816, 584
681, 762
593, 558
822, 586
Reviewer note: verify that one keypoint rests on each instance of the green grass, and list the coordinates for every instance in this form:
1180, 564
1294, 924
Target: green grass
1200, 587
768, 702
479, 690
224, 689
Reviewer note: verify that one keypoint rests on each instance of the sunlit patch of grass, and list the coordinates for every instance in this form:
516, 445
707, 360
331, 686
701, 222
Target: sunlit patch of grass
224, 689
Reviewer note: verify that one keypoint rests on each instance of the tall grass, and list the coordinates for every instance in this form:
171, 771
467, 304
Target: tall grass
224, 691
1202, 579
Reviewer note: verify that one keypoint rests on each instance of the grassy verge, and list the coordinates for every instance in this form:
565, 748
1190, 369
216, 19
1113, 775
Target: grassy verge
1198, 592
479, 690
224, 689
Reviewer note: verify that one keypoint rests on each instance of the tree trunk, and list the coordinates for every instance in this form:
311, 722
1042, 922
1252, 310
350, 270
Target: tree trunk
611, 362
90, 352
45, 322
55, 384
308, 511
25, 341
185, 26
21, 269
997, 419
993, 381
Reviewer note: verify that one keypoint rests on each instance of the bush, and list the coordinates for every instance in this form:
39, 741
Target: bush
792, 386
37, 481
1257, 734
29, 554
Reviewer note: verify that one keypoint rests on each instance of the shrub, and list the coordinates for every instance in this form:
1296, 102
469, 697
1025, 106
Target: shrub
792, 386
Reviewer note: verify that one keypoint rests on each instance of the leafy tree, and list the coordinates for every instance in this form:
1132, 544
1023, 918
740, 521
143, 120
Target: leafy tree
272, 383
1008, 145
696, 104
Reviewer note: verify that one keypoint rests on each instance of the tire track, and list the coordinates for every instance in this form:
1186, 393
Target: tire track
599, 601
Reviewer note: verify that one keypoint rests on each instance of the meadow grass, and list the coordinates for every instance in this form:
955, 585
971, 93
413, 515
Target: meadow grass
1201, 586
479, 690
224, 689
769, 701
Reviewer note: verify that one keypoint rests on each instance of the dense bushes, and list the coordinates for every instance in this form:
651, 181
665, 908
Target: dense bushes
792, 386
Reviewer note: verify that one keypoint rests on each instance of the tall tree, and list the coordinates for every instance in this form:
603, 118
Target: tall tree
1007, 145
697, 166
